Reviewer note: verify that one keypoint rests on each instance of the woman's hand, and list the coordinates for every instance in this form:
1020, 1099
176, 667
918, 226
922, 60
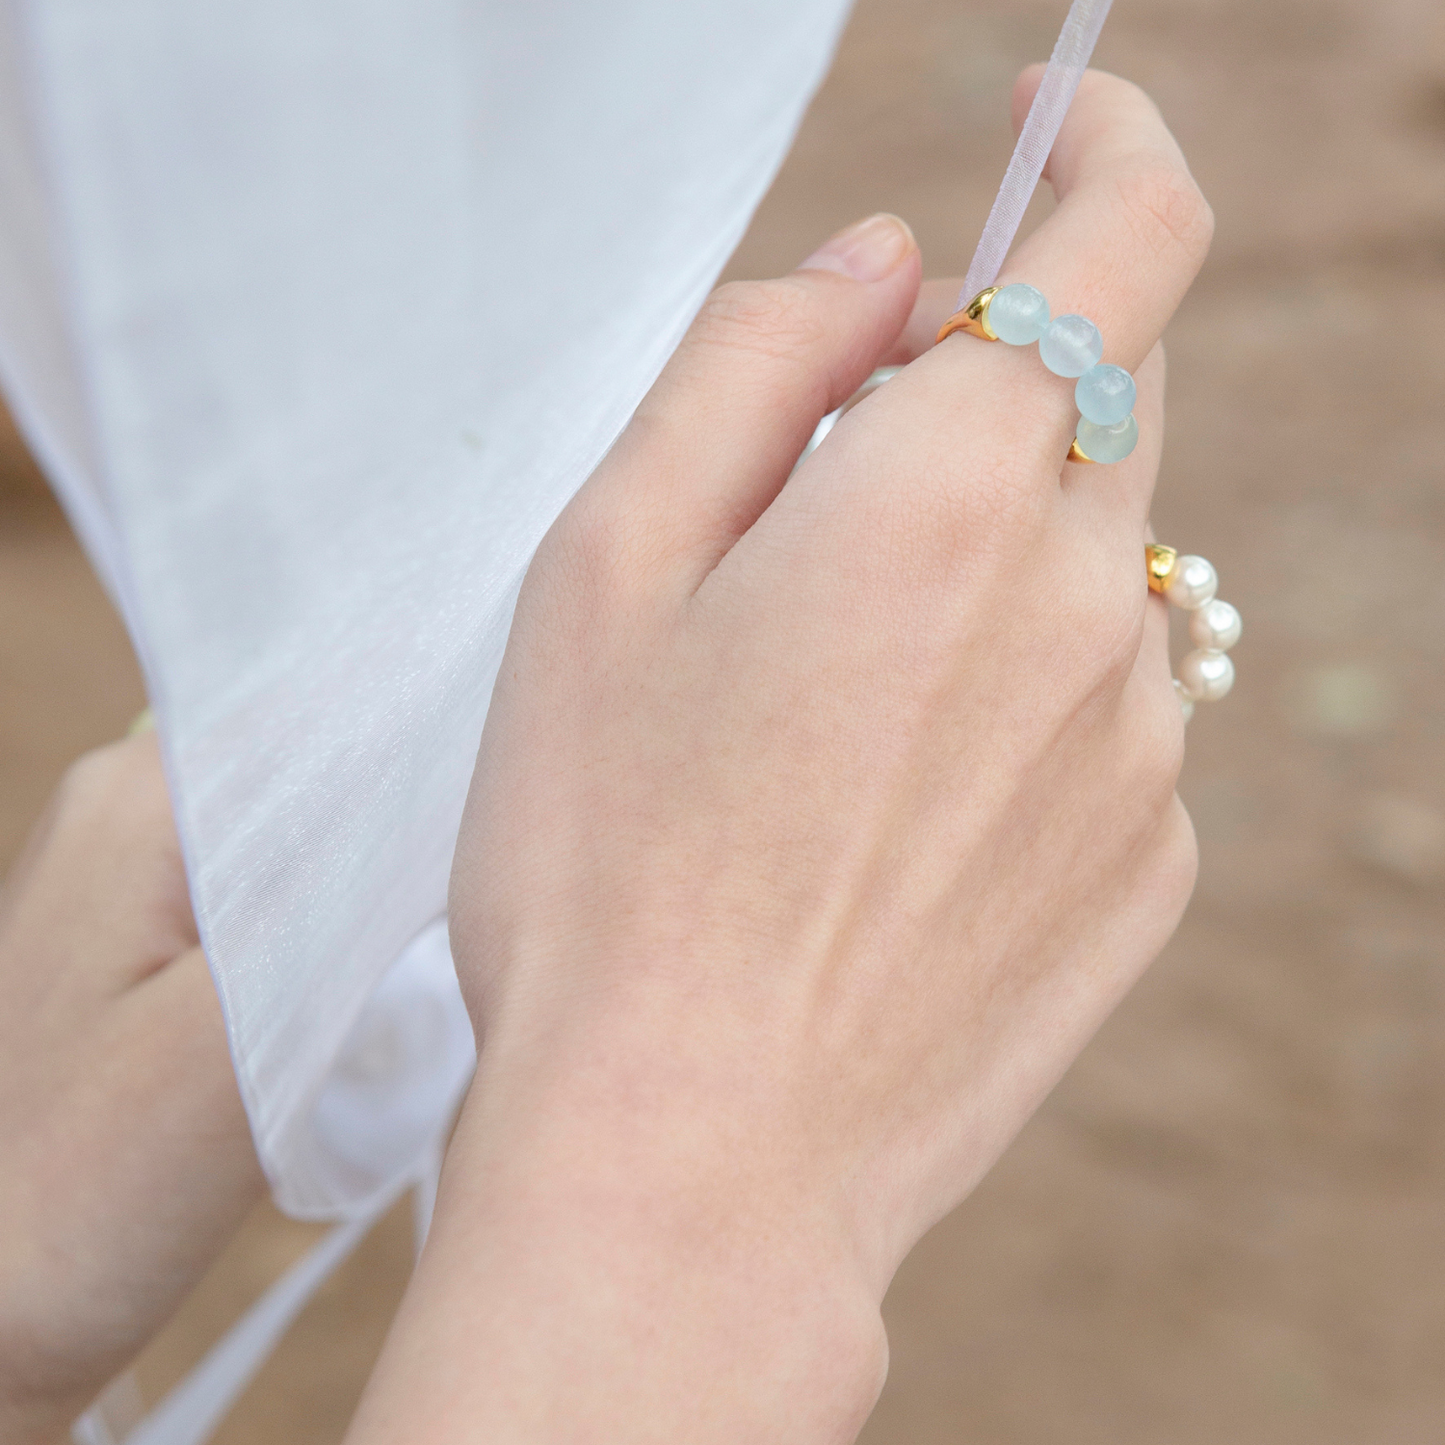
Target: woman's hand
819, 821
127, 1161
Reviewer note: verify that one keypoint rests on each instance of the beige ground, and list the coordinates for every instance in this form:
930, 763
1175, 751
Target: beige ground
1227, 1223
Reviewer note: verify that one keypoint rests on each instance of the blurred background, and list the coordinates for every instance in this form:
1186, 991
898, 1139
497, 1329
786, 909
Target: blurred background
1227, 1221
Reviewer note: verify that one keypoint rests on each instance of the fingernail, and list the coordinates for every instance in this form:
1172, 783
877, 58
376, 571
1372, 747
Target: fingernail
867, 250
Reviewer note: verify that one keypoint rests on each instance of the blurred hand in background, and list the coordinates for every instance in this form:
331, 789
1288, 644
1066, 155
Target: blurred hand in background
128, 1162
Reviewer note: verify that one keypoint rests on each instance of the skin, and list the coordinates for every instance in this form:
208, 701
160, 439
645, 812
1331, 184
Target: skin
128, 1161
817, 824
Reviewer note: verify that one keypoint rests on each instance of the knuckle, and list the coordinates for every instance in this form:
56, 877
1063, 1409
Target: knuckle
767, 319
578, 558
1167, 209
585, 563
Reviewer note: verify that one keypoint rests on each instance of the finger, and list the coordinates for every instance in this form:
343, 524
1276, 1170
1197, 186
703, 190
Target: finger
1115, 498
715, 439
102, 881
1152, 670
1151, 680
1131, 229
937, 301
1153, 673
1107, 508
1079, 148
1148, 694
987, 422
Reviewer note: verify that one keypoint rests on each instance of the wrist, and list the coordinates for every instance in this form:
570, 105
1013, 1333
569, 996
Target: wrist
615, 1254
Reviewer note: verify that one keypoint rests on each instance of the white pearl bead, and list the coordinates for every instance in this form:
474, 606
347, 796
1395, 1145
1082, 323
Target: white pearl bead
1186, 703
1191, 583
1215, 627
1206, 676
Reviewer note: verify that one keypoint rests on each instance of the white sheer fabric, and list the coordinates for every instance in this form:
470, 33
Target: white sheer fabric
317, 312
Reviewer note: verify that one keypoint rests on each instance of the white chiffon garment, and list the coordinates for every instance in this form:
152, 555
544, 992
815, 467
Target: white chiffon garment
316, 313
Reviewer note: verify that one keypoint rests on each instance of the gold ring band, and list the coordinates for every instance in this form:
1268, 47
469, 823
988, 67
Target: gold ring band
974, 320
1159, 562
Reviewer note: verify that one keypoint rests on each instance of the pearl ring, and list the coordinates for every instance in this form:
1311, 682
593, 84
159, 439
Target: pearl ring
1189, 583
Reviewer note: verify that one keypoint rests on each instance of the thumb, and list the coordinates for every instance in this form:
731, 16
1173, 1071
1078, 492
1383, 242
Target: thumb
713, 442
937, 301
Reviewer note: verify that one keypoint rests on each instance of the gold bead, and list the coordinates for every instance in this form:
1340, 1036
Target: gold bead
1077, 453
973, 318
1160, 562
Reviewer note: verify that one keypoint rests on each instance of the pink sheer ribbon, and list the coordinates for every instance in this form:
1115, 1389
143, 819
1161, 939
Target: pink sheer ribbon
1056, 93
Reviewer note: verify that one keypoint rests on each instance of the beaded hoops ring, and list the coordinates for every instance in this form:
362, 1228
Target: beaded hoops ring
1069, 346
1190, 583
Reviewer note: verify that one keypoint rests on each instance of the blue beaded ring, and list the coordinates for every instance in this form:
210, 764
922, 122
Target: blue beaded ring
1069, 346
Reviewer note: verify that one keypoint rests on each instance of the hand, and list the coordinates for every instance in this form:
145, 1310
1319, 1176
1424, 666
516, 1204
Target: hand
127, 1158
819, 820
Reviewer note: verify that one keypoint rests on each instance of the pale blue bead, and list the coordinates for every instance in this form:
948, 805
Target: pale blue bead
1071, 345
1018, 314
1105, 394
1107, 443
